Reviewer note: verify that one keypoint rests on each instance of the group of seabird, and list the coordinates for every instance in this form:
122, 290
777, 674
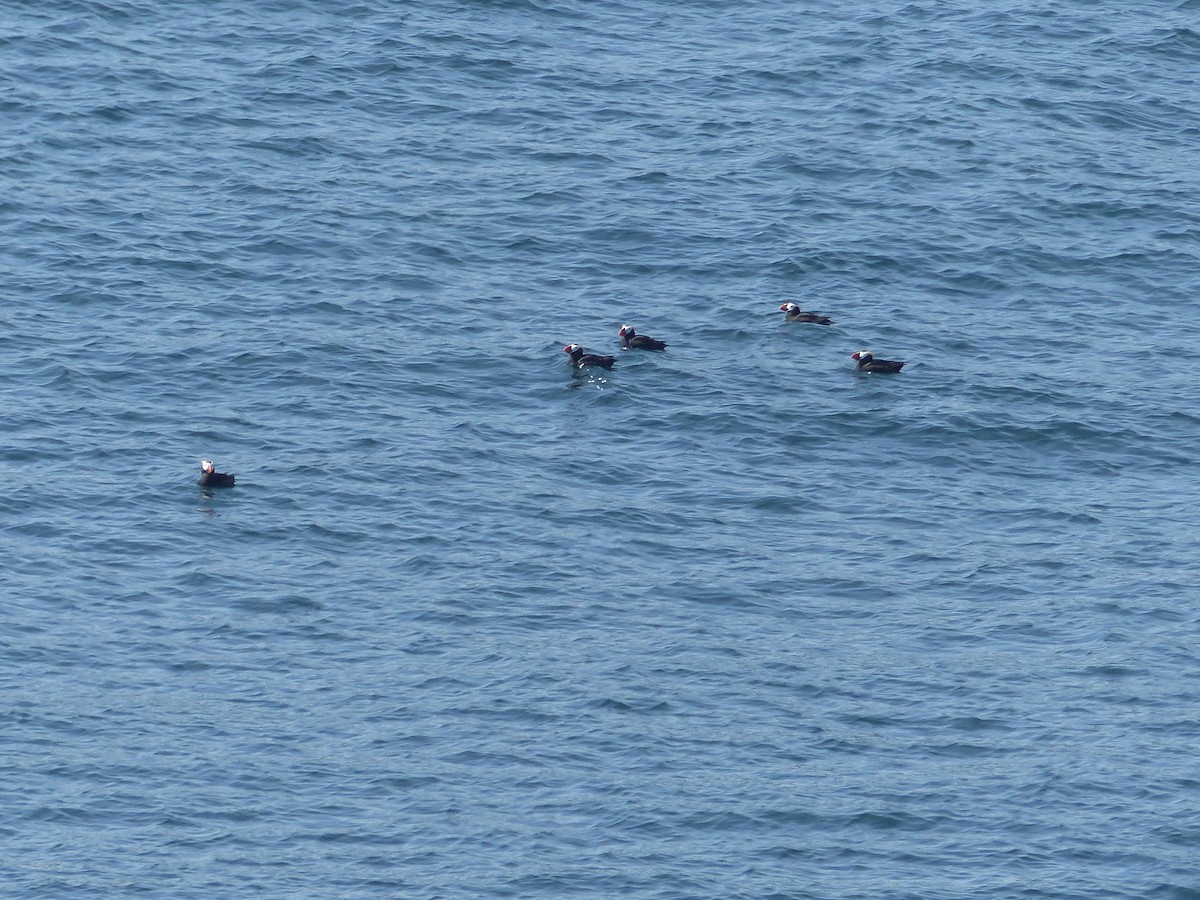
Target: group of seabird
631, 340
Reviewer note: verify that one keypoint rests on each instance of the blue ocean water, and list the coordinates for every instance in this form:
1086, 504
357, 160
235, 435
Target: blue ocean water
731, 620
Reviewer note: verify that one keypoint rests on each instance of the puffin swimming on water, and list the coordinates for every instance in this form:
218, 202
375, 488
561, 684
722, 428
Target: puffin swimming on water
580, 359
210, 477
796, 314
631, 340
868, 363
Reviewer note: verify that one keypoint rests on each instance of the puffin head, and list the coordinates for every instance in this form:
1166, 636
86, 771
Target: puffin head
206, 466
572, 349
863, 356
626, 330
788, 307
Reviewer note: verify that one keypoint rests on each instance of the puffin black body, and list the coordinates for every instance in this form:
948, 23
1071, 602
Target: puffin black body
868, 363
796, 314
581, 359
210, 477
631, 340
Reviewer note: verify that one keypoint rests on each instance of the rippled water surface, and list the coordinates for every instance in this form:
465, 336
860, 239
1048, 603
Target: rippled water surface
731, 620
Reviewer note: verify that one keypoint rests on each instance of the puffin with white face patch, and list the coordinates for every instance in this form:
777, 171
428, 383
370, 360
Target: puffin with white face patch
631, 340
868, 363
581, 359
796, 314
210, 477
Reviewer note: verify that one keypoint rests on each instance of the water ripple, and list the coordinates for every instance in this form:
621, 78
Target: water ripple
472, 623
